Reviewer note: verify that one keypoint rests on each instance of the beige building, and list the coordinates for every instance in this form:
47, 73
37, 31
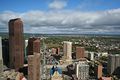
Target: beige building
67, 50
34, 67
99, 71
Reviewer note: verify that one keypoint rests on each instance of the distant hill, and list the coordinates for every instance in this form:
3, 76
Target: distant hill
5, 35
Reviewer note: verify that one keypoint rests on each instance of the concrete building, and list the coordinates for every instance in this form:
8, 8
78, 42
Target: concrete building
82, 70
104, 54
16, 43
80, 52
26, 43
1, 59
99, 71
114, 64
54, 50
91, 55
26, 47
33, 45
67, 50
34, 67
58, 51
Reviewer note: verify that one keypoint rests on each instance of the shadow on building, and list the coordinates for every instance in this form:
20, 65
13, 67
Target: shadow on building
70, 72
5, 51
117, 72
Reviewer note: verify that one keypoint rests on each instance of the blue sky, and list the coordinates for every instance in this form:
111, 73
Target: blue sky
39, 16
26, 5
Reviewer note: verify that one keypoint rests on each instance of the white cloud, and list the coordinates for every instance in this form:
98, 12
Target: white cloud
65, 21
58, 4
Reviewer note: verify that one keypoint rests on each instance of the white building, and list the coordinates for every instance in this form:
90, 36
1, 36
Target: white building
82, 70
91, 55
26, 44
104, 54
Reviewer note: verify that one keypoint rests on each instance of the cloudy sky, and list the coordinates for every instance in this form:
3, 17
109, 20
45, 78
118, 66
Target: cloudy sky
63, 16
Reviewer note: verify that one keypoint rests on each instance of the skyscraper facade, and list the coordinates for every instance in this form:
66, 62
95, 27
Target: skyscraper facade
1, 59
34, 67
5, 51
82, 70
80, 52
16, 43
99, 71
113, 64
67, 49
33, 45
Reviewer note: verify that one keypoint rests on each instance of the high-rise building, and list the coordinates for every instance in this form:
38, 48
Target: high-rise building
99, 71
82, 70
58, 51
67, 50
114, 64
80, 52
33, 45
5, 51
1, 59
26, 47
34, 67
16, 43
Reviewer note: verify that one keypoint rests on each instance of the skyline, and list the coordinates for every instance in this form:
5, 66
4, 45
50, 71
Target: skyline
63, 16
